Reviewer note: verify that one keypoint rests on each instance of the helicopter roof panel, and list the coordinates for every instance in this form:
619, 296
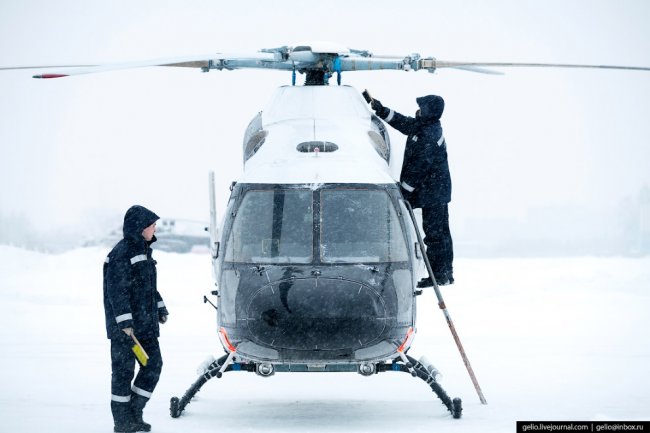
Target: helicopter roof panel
315, 102
313, 114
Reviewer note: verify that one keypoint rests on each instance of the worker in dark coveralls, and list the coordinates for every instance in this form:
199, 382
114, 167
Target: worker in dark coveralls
425, 180
133, 306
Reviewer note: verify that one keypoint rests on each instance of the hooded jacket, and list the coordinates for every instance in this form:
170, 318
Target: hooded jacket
425, 171
131, 299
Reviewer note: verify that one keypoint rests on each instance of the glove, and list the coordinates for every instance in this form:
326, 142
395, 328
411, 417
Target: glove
128, 331
380, 110
163, 319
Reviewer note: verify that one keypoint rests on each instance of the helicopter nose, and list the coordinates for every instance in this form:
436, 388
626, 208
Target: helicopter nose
317, 314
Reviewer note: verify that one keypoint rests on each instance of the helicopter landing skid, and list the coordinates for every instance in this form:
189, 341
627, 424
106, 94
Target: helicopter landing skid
417, 369
226, 364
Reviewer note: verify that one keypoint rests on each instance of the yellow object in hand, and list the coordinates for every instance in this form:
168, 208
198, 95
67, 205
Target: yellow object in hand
139, 352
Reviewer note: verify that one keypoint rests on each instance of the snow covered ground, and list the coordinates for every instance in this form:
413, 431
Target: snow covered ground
549, 339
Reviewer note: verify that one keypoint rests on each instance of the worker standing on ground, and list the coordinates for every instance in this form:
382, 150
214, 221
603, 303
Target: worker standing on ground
133, 307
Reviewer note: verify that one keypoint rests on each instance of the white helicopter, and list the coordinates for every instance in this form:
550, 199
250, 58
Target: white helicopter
316, 259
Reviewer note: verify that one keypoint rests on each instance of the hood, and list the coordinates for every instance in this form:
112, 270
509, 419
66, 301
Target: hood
136, 219
431, 106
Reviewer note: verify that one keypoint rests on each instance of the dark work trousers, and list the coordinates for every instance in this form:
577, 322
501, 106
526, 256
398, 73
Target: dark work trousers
437, 238
127, 398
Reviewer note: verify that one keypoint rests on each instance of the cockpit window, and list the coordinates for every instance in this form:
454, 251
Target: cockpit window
360, 225
272, 226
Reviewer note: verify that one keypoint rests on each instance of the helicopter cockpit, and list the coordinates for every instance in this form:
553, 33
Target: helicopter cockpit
313, 275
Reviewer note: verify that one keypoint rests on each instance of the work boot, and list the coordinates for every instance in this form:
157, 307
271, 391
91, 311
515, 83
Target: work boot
122, 418
442, 280
140, 424
448, 277
138, 403
125, 428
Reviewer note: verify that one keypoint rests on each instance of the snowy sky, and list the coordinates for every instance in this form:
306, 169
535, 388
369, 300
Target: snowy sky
75, 150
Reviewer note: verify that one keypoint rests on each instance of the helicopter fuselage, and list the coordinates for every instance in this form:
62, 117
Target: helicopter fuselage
317, 260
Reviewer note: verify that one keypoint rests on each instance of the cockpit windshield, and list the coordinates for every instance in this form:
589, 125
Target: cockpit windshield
360, 225
272, 226
353, 226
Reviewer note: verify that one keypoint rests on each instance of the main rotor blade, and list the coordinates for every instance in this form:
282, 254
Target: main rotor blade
435, 64
479, 70
9, 68
414, 62
205, 62
304, 58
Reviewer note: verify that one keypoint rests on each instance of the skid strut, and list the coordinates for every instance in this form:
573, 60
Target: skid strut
416, 369
216, 369
404, 363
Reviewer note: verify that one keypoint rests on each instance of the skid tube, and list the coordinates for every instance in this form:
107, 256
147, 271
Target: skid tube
225, 364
